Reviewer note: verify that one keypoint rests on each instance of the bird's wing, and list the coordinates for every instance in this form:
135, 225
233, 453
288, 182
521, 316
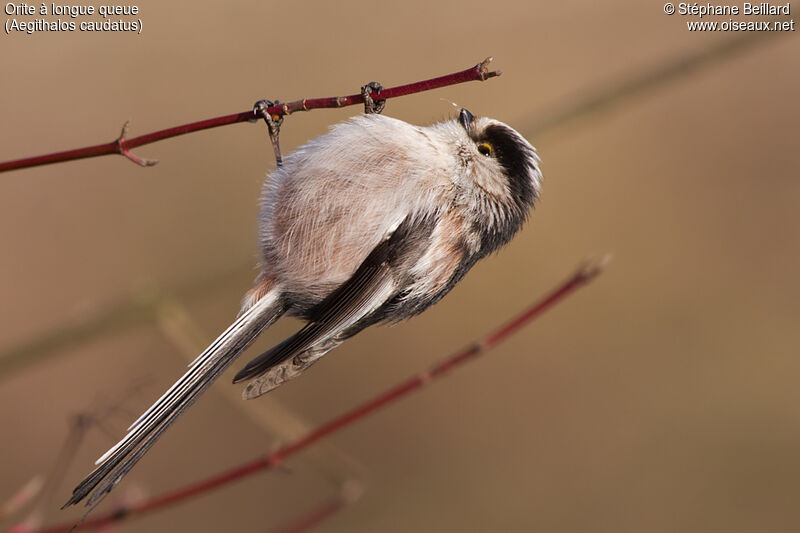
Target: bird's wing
381, 276
143, 433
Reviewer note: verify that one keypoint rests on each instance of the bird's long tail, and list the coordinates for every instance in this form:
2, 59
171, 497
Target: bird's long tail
202, 372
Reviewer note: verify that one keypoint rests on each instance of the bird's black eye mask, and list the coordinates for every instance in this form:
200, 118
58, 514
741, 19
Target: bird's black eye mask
515, 156
512, 153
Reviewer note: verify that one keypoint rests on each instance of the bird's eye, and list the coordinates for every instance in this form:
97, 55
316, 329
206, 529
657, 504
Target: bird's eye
485, 149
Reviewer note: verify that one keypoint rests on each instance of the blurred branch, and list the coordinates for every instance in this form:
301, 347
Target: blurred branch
123, 145
177, 325
645, 80
79, 426
136, 311
131, 313
41, 490
349, 493
269, 461
26, 494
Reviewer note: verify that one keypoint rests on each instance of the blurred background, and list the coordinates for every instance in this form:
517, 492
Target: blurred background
662, 397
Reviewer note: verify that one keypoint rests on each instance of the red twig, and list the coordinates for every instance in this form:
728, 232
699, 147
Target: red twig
318, 515
123, 146
349, 493
582, 276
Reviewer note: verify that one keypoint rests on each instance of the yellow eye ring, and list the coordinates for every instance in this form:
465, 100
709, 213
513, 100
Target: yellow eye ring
485, 149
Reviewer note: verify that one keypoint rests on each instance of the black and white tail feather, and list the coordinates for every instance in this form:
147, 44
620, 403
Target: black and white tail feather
203, 371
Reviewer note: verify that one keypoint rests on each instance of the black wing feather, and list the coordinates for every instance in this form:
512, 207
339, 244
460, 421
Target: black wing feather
388, 262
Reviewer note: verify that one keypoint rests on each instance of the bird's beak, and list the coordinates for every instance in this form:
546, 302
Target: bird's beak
465, 118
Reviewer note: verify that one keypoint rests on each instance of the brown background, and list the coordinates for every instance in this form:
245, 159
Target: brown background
663, 397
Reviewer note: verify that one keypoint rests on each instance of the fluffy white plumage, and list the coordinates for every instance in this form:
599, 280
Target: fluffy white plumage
373, 222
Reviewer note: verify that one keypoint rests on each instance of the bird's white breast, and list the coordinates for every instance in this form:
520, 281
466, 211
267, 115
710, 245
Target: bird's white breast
338, 196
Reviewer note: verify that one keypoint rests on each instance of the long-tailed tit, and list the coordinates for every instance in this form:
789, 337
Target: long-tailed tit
372, 222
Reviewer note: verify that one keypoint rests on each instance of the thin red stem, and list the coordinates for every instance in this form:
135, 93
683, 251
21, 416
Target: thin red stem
314, 517
121, 145
581, 277
325, 511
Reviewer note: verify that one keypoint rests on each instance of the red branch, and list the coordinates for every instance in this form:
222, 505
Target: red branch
318, 515
581, 277
121, 145
348, 494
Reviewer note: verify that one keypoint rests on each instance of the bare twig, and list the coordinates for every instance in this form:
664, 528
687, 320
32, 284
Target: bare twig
602, 98
179, 328
142, 309
347, 495
268, 461
26, 494
79, 426
123, 148
121, 145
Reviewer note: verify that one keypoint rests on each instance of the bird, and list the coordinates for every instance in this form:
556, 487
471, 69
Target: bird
372, 222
